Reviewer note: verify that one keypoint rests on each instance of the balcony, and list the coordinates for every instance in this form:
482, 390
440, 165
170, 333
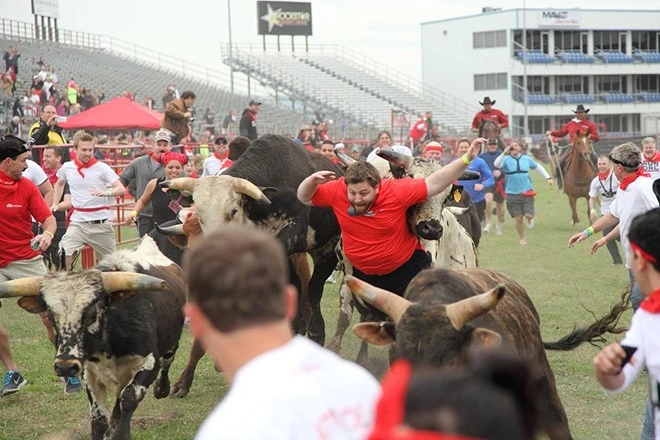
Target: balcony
613, 57
575, 57
616, 98
646, 56
578, 98
649, 96
535, 57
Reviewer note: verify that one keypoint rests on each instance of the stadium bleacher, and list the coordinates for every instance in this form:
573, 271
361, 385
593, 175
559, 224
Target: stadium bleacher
578, 98
646, 56
613, 57
617, 98
574, 57
535, 57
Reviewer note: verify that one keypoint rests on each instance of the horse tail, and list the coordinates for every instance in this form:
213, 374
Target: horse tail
594, 333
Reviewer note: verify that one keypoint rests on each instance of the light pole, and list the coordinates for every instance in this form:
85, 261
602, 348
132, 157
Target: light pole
231, 58
525, 92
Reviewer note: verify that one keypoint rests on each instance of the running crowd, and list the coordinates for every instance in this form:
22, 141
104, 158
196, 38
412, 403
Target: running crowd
57, 200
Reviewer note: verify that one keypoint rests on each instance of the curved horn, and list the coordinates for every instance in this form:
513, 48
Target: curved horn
170, 230
248, 188
402, 160
469, 175
182, 184
389, 303
118, 281
345, 158
456, 210
21, 287
465, 310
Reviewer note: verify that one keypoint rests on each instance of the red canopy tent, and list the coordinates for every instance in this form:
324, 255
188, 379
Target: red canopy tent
119, 113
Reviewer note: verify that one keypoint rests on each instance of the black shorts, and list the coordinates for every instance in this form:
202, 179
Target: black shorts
497, 190
481, 209
398, 280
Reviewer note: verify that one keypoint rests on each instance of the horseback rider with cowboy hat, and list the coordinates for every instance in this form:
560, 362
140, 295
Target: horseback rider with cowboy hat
578, 123
489, 114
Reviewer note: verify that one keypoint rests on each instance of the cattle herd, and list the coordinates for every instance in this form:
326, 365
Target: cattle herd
119, 324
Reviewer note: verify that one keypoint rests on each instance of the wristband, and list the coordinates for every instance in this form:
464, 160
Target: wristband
52, 236
589, 231
134, 213
466, 160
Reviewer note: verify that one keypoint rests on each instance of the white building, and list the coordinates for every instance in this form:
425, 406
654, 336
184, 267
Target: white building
608, 60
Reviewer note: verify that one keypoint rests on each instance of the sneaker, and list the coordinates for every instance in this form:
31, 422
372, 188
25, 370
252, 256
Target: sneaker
530, 223
331, 279
13, 382
72, 385
498, 229
487, 228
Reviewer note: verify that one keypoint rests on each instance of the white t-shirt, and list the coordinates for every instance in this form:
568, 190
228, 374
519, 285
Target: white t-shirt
643, 334
98, 176
299, 391
601, 188
213, 166
35, 173
652, 167
637, 199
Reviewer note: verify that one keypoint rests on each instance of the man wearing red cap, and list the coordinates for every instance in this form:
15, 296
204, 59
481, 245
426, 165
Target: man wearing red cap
489, 114
578, 123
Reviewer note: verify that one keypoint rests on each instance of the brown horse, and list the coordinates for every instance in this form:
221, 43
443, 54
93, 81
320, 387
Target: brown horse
579, 172
489, 130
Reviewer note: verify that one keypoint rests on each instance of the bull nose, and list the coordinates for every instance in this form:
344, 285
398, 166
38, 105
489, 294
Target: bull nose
429, 229
67, 368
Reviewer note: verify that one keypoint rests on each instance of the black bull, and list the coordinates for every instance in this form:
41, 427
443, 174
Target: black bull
444, 313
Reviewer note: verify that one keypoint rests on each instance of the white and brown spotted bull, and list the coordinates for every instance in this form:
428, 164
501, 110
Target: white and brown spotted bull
444, 313
118, 325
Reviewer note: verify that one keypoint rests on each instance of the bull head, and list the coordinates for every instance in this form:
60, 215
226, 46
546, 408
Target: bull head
245, 187
401, 160
344, 158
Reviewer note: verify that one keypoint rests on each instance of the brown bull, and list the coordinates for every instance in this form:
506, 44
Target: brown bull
444, 313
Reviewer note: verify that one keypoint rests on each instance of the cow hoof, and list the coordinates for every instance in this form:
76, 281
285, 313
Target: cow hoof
178, 391
162, 390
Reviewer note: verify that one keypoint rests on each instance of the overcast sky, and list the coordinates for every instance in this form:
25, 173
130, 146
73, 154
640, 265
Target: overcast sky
385, 30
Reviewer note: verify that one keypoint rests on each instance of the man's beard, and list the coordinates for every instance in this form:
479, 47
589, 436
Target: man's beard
361, 209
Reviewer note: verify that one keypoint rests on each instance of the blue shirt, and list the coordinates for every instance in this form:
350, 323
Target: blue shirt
486, 180
489, 158
516, 171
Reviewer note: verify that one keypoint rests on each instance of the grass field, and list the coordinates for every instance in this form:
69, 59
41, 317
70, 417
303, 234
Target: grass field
565, 284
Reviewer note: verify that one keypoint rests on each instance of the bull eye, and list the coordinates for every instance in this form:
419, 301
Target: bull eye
234, 212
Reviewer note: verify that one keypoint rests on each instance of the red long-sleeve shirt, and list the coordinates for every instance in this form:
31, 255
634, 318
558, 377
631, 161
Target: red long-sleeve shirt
492, 115
571, 128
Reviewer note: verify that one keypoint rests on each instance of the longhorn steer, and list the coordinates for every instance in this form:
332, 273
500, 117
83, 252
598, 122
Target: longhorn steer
444, 313
260, 190
117, 325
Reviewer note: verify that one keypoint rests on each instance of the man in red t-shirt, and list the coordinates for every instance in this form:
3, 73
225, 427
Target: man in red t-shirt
488, 113
372, 216
20, 200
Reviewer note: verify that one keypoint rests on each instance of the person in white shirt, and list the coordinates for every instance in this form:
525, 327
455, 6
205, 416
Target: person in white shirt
650, 158
240, 308
219, 161
93, 185
612, 373
603, 188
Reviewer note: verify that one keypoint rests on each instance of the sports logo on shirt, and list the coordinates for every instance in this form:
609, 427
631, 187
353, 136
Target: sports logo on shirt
11, 205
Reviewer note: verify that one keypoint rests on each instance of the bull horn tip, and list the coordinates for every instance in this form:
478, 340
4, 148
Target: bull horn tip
500, 290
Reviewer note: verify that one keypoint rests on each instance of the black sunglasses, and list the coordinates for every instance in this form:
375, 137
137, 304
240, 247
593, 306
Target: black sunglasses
618, 162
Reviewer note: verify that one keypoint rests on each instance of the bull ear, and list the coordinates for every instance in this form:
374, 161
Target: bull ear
374, 333
483, 338
180, 241
269, 192
32, 304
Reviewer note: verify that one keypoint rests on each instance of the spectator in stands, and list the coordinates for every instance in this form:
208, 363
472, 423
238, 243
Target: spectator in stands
238, 146
178, 116
315, 136
52, 162
323, 130
100, 96
578, 123
8, 83
328, 150
209, 121
491, 114
229, 119
189, 169
149, 102
303, 137
418, 132
219, 161
650, 158
384, 139
45, 131
11, 59
15, 127
143, 170
434, 134
247, 127
433, 150
355, 152
240, 308
72, 95
93, 186
167, 96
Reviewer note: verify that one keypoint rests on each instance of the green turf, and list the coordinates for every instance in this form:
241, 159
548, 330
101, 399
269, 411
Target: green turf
563, 283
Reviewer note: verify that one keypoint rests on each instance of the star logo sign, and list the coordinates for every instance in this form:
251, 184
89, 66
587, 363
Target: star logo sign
273, 17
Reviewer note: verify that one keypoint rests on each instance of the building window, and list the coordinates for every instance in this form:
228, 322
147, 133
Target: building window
647, 83
609, 40
490, 81
537, 124
571, 41
572, 84
488, 39
611, 84
618, 123
536, 40
645, 40
535, 85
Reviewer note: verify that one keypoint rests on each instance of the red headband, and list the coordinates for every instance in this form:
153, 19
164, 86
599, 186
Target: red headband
642, 253
165, 158
433, 146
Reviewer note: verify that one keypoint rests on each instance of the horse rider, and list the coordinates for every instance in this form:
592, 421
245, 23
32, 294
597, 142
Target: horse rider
488, 113
581, 123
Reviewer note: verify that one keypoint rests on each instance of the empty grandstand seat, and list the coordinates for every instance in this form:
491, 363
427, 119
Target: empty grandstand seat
614, 57
575, 57
578, 98
539, 99
617, 98
650, 96
647, 56
535, 57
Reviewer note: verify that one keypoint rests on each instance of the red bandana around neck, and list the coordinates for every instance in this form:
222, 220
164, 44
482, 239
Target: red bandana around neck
605, 175
630, 179
81, 165
7, 184
154, 156
654, 158
652, 303
219, 156
51, 174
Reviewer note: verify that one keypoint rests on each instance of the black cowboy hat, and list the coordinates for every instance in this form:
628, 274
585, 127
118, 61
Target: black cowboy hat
487, 101
580, 108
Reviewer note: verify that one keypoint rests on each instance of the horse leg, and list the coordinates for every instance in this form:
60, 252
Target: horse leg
573, 202
182, 386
